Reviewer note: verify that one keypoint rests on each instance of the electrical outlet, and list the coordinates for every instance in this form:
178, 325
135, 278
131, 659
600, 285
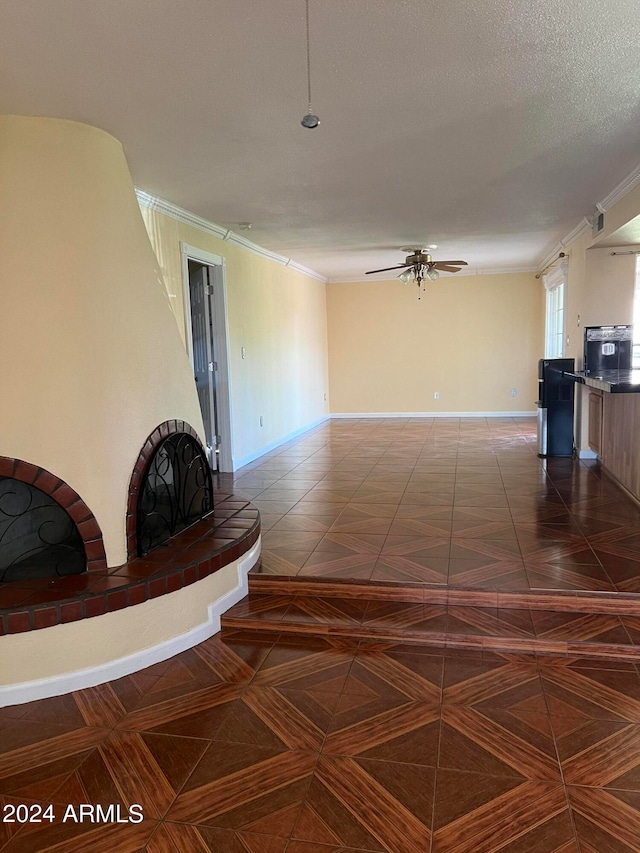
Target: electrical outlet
325, 397
261, 421
436, 395
244, 354
514, 392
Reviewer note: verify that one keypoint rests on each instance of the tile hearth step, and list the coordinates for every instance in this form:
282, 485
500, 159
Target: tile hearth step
580, 601
530, 631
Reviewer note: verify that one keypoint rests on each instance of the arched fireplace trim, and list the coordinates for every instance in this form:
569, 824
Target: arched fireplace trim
157, 436
68, 499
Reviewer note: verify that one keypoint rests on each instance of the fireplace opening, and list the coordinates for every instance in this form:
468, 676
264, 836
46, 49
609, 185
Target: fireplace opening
175, 492
38, 537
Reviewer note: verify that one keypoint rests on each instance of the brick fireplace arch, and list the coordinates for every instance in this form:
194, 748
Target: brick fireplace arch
153, 441
68, 499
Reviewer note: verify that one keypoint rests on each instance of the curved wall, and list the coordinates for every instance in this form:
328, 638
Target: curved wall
72, 656
96, 359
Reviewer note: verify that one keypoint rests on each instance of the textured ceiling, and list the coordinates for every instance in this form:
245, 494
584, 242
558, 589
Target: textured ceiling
627, 235
488, 127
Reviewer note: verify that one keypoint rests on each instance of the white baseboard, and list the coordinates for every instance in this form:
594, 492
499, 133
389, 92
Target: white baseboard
433, 415
251, 457
587, 454
28, 691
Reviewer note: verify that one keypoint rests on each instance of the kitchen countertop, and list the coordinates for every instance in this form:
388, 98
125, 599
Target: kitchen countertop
612, 381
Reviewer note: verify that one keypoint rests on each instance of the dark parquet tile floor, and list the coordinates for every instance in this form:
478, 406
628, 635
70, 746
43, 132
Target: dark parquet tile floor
256, 744
461, 502
317, 747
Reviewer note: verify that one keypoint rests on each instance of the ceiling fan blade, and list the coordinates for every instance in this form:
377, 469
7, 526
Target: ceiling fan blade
454, 263
388, 269
446, 267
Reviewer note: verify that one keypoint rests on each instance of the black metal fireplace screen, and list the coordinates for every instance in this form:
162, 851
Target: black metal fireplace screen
176, 491
38, 538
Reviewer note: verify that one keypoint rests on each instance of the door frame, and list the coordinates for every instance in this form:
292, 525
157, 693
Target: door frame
221, 342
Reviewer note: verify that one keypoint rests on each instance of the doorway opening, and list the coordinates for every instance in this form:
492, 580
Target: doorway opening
207, 345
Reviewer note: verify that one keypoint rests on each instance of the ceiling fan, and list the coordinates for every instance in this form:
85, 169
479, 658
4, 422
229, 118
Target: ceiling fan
419, 264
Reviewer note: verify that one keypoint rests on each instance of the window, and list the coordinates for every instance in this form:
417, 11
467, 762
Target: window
555, 286
635, 359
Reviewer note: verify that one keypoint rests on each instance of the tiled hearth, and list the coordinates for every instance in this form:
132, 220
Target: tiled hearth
443, 533
192, 555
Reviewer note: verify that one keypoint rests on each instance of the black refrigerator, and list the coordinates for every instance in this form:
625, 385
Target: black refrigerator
555, 407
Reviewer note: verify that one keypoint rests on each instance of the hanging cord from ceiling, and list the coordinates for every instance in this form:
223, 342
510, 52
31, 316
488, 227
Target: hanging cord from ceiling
309, 121
308, 56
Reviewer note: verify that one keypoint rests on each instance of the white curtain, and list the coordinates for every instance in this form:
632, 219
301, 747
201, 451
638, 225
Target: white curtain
556, 290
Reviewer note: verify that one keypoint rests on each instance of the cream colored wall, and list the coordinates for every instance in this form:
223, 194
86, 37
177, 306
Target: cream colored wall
600, 291
609, 286
575, 300
278, 315
92, 358
471, 338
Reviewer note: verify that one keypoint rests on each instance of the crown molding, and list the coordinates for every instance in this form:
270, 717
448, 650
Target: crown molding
311, 273
621, 190
581, 228
551, 255
145, 199
504, 270
181, 215
630, 182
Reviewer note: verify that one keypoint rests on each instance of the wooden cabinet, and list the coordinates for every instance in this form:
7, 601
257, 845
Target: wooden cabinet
621, 440
595, 421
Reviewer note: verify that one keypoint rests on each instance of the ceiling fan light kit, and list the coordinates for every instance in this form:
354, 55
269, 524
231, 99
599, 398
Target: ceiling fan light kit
419, 265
